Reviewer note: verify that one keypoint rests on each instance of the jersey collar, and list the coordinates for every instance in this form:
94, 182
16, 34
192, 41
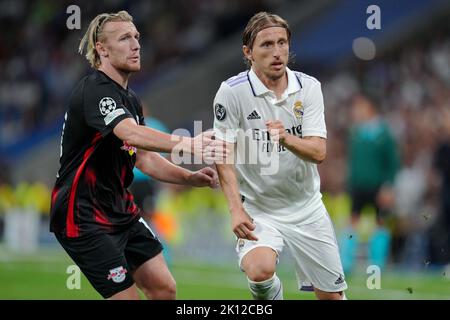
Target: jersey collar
259, 88
108, 79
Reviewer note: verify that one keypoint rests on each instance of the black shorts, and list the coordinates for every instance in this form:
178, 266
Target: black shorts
108, 260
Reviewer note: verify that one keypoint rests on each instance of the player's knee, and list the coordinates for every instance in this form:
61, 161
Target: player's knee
260, 272
169, 292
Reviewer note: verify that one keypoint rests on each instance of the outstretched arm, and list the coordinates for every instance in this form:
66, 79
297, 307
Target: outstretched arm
149, 139
158, 167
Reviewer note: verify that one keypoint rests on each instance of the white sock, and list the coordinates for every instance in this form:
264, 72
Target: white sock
270, 289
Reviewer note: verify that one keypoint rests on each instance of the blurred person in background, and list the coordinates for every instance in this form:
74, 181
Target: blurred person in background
282, 111
440, 232
93, 214
412, 211
145, 189
5, 185
373, 161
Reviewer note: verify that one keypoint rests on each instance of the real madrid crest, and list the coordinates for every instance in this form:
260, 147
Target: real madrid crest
298, 110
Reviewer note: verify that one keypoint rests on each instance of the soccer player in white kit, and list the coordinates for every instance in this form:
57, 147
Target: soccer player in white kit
273, 120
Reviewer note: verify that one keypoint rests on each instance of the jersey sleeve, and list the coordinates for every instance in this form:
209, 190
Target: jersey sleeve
226, 114
103, 108
313, 117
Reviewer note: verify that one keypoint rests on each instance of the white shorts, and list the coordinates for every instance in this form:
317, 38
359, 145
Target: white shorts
313, 247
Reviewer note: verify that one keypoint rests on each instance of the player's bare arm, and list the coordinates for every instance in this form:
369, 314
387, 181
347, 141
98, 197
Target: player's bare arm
313, 149
241, 223
149, 139
158, 167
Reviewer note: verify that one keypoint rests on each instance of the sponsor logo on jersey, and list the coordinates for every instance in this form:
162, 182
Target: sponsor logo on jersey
253, 116
262, 137
131, 150
298, 110
220, 111
117, 274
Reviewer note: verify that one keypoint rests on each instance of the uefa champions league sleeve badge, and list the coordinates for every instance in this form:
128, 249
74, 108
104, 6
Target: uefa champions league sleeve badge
220, 111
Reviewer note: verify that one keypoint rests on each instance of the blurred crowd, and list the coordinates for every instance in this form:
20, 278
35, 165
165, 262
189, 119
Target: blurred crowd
37, 51
411, 87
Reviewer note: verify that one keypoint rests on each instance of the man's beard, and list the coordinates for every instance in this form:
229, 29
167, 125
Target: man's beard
129, 69
277, 76
125, 68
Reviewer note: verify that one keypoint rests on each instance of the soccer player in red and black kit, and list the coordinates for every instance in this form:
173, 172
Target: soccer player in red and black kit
93, 215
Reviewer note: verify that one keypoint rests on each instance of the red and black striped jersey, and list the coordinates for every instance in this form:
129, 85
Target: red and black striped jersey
96, 167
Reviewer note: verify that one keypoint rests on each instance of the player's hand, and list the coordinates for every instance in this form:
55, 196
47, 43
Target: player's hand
205, 177
242, 225
207, 148
217, 152
276, 130
201, 141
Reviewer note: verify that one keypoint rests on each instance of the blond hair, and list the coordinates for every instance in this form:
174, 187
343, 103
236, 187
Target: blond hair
94, 33
258, 22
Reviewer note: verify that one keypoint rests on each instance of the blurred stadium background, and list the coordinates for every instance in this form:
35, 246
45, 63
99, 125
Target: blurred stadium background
188, 48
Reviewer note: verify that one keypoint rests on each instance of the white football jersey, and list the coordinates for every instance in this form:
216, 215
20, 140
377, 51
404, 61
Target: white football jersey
273, 181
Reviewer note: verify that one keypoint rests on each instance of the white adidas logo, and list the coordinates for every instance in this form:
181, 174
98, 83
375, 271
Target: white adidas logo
253, 116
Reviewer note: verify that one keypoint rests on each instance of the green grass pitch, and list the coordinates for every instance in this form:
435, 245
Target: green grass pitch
43, 276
